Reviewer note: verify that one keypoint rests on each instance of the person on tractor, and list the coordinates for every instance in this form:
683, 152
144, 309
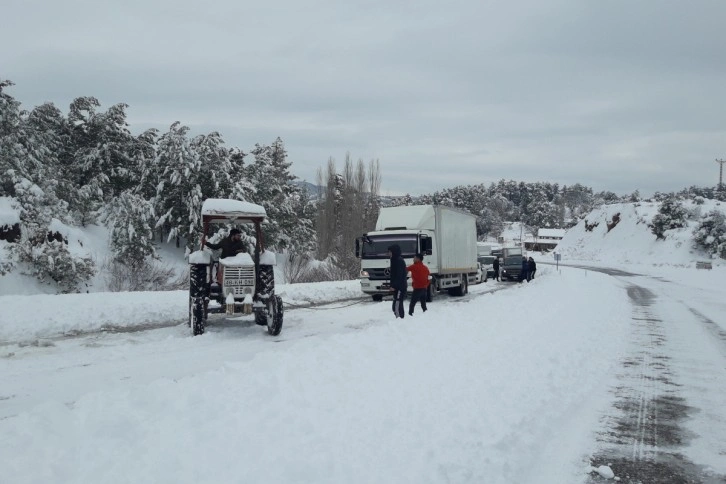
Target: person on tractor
230, 245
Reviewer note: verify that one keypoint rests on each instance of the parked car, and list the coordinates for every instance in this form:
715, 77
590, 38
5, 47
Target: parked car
481, 274
487, 265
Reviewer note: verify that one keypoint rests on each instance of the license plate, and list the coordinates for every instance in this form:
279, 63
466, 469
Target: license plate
239, 282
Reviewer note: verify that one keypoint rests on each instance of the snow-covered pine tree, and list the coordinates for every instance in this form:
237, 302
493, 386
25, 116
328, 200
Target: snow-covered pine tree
710, 234
101, 155
47, 258
242, 187
542, 211
577, 200
404, 201
671, 215
143, 153
11, 169
215, 165
131, 220
276, 190
178, 194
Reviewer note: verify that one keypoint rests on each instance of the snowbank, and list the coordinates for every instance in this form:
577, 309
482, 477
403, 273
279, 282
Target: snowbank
28, 318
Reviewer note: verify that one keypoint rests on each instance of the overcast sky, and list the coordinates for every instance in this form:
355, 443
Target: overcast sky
616, 95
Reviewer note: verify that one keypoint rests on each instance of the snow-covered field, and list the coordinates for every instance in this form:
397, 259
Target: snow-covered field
507, 385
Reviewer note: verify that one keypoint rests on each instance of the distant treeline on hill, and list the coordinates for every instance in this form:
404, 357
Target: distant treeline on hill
537, 205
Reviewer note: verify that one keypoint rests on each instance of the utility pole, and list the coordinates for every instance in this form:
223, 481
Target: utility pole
720, 174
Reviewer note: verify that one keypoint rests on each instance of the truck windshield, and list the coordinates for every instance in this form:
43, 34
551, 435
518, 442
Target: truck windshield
377, 246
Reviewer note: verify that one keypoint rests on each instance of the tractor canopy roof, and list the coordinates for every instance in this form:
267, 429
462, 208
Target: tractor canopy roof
224, 210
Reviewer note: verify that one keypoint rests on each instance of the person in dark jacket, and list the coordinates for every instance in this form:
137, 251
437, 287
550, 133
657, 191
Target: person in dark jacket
524, 271
398, 279
495, 267
532, 266
230, 245
419, 281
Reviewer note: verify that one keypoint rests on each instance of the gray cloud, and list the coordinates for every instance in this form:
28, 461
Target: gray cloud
616, 95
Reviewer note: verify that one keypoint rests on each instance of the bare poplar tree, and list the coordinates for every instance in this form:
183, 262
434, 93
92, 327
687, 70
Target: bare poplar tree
348, 208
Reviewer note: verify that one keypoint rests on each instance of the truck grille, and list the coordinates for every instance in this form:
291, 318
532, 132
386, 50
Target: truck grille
379, 274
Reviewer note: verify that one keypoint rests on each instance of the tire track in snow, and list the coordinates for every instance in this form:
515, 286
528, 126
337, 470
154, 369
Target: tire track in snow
646, 432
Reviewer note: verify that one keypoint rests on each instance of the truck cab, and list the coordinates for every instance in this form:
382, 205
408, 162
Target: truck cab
372, 249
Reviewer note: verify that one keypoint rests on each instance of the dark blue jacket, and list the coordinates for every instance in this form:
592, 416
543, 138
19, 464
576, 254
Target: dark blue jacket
398, 269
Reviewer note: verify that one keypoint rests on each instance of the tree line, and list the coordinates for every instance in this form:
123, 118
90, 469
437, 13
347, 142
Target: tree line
86, 167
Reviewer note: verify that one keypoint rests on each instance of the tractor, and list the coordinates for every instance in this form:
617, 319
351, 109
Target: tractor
244, 283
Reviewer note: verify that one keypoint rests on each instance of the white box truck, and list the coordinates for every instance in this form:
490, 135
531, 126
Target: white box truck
445, 236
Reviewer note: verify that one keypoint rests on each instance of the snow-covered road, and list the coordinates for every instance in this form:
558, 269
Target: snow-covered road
667, 423
528, 384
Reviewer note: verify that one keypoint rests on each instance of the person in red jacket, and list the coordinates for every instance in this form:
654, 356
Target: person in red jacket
420, 281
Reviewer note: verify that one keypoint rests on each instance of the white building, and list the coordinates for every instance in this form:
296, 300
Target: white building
545, 240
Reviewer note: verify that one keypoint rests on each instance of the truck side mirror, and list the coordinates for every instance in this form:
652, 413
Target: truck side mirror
357, 248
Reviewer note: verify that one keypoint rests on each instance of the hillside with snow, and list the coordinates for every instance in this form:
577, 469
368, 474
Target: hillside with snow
630, 243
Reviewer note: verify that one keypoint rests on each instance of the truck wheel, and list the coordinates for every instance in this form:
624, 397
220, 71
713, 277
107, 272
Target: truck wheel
431, 292
197, 317
378, 297
463, 288
274, 318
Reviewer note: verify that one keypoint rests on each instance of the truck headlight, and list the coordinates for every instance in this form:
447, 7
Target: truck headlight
364, 273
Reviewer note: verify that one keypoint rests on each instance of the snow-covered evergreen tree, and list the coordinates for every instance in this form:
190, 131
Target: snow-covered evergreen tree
542, 211
46, 258
101, 155
144, 156
10, 119
242, 187
710, 234
215, 165
131, 220
276, 190
179, 195
671, 215
403, 201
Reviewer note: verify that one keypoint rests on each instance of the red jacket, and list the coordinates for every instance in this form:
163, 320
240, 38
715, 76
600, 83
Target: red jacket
419, 275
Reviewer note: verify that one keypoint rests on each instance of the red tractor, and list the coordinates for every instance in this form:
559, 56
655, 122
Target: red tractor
244, 283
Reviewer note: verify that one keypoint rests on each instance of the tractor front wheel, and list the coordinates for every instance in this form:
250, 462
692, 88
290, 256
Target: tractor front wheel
274, 316
197, 316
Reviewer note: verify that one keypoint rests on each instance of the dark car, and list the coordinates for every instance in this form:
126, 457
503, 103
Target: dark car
511, 268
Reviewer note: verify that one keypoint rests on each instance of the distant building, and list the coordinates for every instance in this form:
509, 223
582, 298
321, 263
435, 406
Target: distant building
546, 240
